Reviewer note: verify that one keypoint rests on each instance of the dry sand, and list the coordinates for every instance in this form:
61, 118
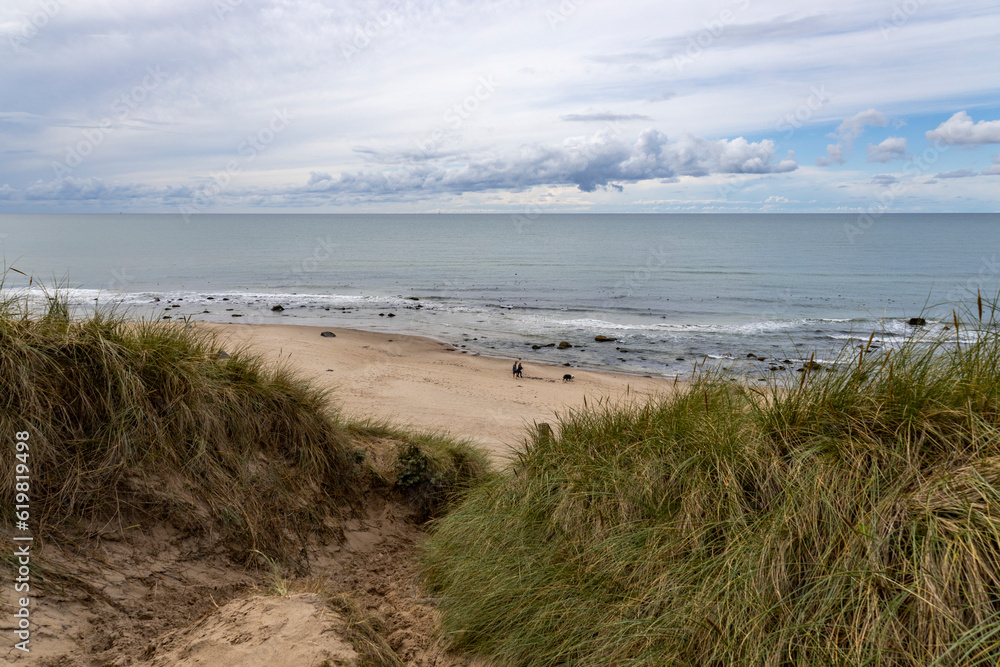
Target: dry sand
432, 386
152, 596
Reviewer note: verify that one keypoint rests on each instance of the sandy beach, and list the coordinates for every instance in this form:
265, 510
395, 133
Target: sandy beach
430, 385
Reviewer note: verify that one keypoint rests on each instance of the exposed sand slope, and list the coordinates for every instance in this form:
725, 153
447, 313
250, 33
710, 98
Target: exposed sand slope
260, 631
152, 595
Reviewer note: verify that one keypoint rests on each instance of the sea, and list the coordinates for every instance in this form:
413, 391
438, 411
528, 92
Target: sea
749, 295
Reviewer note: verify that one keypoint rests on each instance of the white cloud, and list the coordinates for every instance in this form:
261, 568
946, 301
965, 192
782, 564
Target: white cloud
893, 148
96, 189
70, 189
854, 127
602, 117
834, 155
958, 173
18, 117
959, 129
994, 169
849, 130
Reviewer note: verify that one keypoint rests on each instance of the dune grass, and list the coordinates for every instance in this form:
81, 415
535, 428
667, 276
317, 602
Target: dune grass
132, 422
848, 518
145, 417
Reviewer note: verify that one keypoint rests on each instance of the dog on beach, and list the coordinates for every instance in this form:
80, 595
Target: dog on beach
567, 378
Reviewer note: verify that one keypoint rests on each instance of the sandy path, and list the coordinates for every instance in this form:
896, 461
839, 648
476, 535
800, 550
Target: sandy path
429, 385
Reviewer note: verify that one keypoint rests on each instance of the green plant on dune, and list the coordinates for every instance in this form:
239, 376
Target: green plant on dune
848, 518
144, 417
430, 471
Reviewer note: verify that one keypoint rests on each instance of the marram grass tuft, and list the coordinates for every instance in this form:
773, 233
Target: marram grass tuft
848, 518
143, 419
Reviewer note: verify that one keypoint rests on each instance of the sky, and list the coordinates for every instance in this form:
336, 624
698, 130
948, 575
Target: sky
400, 106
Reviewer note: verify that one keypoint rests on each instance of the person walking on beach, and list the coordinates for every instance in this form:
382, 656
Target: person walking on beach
516, 368
517, 372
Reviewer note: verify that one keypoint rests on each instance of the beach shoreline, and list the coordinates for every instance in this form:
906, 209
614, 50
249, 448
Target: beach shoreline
428, 385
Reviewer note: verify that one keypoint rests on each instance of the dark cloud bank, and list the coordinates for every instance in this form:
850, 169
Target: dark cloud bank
603, 160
